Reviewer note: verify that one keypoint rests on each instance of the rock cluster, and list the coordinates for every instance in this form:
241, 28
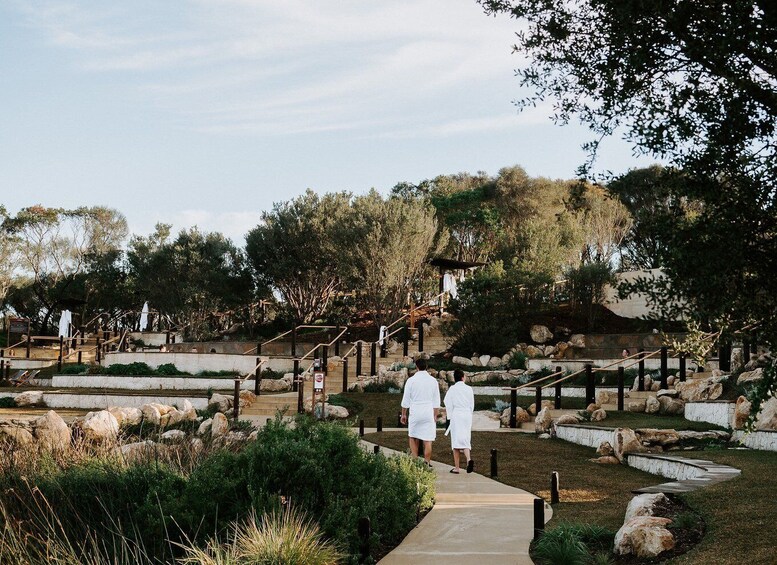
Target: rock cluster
643, 533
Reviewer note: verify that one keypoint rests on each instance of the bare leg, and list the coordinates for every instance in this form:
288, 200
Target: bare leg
466, 455
456, 459
428, 451
413, 446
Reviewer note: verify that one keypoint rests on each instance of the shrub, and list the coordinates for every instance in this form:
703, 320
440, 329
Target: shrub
218, 374
7, 402
385, 386
169, 369
75, 369
273, 375
354, 406
517, 360
499, 406
572, 544
129, 369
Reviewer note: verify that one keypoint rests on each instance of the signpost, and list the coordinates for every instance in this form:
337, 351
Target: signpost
17, 329
319, 388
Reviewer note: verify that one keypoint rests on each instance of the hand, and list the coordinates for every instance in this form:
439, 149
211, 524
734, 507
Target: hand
403, 419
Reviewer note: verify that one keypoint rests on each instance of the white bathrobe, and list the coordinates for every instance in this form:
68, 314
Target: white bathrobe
421, 397
459, 404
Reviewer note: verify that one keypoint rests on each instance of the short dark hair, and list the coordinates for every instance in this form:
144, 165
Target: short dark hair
458, 375
421, 364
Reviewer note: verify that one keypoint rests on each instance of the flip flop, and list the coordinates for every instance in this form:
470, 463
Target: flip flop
454, 471
470, 465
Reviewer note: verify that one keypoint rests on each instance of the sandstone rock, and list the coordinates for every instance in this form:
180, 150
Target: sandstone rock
652, 436
671, 406
652, 405
655, 386
173, 417
133, 452
561, 348
694, 390
540, 334
767, 418
196, 443
711, 434
267, 385
442, 416
495, 362
544, 404
592, 407
606, 460
126, 416
189, 411
336, 412
647, 381
736, 358
606, 397
741, 413
219, 426
151, 414
637, 405
533, 351
605, 449
29, 398
670, 380
543, 421
98, 427
475, 361
14, 434
645, 505
644, 536
247, 398
568, 419
222, 403
484, 359
173, 436
204, 427
458, 360
253, 435
751, 376
521, 416
543, 436
668, 393
626, 441
51, 432
598, 415
577, 341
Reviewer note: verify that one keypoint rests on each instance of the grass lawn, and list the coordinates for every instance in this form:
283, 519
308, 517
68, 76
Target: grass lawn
640, 420
739, 514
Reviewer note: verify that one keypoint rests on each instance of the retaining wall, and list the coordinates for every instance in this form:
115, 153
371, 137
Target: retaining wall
149, 383
566, 391
672, 468
90, 401
196, 362
718, 412
589, 436
761, 439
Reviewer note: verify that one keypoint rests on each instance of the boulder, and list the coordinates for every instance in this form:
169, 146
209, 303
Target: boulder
442, 416
336, 412
222, 403
670, 380
694, 390
540, 334
269, 385
647, 381
476, 361
606, 397
568, 419
637, 405
484, 359
686, 435
644, 536
577, 341
521, 416
544, 404
138, 451
606, 460
671, 406
753, 376
189, 411
219, 426
51, 431
549, 350
543, 421
458, 360
15, 434
98, 427
173, 436
592, 407
173, 417
247, 398
605, 449
655, 386
151, 414
741, 413
598, 415
652, 405
544, 436
29, 398
645, 505
626, 441
204, 427
767, 418
496, 362
126, 416
652, 436
533, 351
668, 393
561, 348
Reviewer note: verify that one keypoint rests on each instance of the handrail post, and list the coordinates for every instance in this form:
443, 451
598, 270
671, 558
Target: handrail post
345, 374
29, 345
664, 367
294, 342
373, 359
538, 399
745, 351
300, 394
294, 383
325, 358
384, 348
590, 394
420, 335
406, 342
236, 400
358, 358
258, 377
79, 357
539, 517
83, 334
682, 367
258, 347
513, 406
621, 382
98, 353
641, 373
337, 340
59, 359
557, 396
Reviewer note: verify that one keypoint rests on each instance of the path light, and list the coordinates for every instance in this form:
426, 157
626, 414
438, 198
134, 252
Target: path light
554, 487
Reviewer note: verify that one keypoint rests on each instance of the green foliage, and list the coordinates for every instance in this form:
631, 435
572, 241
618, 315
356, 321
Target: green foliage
588, 283
571, 544
137, 368
518, 360
270, 374
686, 520
7, 402
375, 386
74, 369
216, 373
353, 406
169, 369
765, 389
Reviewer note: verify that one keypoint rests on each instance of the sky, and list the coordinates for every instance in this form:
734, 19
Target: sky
205, 112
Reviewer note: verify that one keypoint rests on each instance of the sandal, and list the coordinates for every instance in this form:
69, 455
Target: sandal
454, 471
470, 465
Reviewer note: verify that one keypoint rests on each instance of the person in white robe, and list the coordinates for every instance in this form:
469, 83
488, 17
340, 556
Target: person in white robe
460, 404
422, 399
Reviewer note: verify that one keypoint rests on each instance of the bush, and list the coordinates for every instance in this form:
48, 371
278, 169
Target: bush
273, 375
129, 369
572, 544
218, 374
518, 360
168, 369
7, 402
353, 406
587, 284
385, 386
75, 369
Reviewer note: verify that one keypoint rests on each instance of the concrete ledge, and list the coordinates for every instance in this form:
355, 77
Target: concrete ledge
196, 362
149, 383
691, 474
590, 436
99, 401
759, 439
718, 412
566, 391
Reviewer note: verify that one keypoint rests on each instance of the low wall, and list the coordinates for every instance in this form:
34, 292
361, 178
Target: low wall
149, 383
19, 364
196, 362
720, 413
276, 348
566, 391
153, 338
56, 400
670, 467
652, 364
761, 439
590, 436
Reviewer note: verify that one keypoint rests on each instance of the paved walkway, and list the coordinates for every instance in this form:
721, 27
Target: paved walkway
474, 520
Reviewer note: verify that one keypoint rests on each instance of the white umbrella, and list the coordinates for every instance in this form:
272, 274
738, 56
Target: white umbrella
144, 317
64, 323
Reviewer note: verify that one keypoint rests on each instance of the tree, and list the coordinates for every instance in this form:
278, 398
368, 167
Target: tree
392, 239
299, 250
694, 83
8, 252
603, 223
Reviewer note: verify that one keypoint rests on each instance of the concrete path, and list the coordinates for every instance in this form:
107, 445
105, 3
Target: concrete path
474, 520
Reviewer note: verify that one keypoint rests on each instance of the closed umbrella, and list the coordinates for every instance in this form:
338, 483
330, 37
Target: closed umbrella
144, 317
